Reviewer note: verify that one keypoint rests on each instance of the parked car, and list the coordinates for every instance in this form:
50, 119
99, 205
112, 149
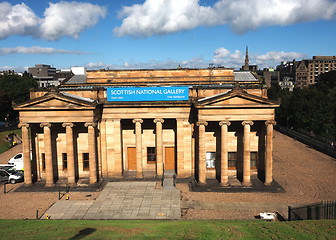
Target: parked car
17, 162
8, 174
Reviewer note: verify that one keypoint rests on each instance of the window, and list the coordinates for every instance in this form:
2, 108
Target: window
210, 160
254, 158
151, 155
232, 160
43, 161
86, 163
65, 161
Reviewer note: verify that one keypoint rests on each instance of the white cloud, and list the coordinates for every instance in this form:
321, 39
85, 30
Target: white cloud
196, 62
170, 16
60, 19
236, 59
37, 50
15, 68
224, 57
69, 19
18, 19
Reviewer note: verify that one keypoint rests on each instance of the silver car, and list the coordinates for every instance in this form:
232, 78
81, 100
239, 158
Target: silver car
8, 174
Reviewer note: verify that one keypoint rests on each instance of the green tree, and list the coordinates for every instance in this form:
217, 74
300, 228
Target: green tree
14, 89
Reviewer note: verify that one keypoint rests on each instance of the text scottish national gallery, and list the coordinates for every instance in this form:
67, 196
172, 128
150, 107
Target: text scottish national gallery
201, 123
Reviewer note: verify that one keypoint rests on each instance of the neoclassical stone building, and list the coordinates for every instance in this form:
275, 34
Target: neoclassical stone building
202, 123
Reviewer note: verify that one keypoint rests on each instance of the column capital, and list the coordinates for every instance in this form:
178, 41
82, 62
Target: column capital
135, 120
221, 123
270, 122
205, 123
156, 120
45, 124
90, 124
68, 124
247, 123
26, 125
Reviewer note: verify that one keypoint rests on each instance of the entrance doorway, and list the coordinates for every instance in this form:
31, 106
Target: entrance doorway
131, 158
169, 158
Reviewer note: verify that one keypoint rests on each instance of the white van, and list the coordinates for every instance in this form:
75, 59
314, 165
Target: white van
17, 162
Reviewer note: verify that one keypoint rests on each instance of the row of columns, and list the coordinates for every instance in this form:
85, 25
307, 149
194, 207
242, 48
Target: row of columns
158, 144
246, 156
48, 153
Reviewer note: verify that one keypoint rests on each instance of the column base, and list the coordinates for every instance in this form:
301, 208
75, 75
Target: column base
202, 183
28, 184
93, 181
268, 183
247, 184
224, 184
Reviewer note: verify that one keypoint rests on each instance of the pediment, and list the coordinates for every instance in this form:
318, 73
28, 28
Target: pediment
235, 101
235, 98
56, 100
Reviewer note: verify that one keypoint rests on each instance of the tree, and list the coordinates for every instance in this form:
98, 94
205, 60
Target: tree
14, 89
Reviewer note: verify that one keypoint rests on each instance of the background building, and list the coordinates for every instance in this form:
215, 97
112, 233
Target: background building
307, 71
49, 76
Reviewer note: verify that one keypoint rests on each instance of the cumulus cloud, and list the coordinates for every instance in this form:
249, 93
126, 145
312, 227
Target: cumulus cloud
69, 18
170, 16
18, 19
224, 57
37, 50
60, 19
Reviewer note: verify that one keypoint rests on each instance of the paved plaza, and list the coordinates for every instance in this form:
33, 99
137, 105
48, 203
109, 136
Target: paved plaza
122, 200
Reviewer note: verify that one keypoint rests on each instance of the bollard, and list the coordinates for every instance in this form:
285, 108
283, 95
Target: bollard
37, 214
59, 195
4, 188
67, 197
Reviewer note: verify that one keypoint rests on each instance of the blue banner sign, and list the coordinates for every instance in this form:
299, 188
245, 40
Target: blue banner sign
140, 94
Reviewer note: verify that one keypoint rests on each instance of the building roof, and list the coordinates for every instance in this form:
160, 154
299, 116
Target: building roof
77, 79
244, 77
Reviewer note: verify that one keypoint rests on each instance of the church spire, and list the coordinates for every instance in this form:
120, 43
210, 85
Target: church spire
247, 65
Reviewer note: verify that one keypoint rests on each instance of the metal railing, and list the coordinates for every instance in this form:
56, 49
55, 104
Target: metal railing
316, 211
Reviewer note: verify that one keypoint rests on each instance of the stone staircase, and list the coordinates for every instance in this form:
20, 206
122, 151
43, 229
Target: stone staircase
169, 179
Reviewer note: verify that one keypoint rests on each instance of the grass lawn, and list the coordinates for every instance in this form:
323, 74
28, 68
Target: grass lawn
212, 229
4, 145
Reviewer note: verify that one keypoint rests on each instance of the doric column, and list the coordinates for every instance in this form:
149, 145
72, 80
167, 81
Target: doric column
26, 153
92, 151
247, 158
224, 152
201, 152
269, 152
138, 139
70, 153
159, 146
48, 154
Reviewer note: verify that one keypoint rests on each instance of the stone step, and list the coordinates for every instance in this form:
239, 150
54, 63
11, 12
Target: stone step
169, 179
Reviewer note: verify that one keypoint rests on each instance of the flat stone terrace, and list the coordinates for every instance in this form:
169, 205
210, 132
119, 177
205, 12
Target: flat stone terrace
122, 200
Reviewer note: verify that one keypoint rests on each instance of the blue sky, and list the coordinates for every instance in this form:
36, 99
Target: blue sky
163, 33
